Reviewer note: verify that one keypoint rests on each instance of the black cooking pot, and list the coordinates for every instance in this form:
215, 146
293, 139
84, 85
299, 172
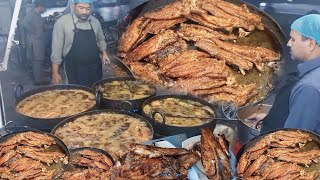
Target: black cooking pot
73, 118
162, 129
315, 138
133, 105
59, 145
48, 123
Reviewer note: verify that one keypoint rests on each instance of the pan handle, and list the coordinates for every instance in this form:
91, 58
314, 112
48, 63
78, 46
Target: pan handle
18, 90
258, 124
98, 98
10, 127
161, 114
127, 106
229, 110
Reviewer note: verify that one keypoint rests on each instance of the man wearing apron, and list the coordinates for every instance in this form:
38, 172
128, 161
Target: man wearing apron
78, 40
297, 105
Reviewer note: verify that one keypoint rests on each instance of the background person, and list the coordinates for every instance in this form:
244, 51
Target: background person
297, 105
35, 32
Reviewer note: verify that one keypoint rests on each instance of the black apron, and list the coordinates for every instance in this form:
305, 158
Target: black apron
83, 65
279, 112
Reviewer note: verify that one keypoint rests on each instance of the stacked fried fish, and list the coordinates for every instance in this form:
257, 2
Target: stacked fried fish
89, 165
280, 155
26, 156
215, 155
189, 46
150, 162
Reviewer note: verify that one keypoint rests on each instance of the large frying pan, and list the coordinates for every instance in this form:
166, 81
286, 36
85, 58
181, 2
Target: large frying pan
315, 138
58, 147
313, 145
273, 31
163, 129
47, 124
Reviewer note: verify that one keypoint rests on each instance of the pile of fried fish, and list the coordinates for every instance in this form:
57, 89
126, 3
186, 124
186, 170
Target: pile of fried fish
215, 155
280, 155
189, 46
150, 162
27, 156
89, 165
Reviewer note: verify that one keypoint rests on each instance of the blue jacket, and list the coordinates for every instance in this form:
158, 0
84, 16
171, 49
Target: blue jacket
304, 102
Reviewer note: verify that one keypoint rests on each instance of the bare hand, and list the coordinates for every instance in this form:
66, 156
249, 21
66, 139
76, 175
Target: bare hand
56, 79
105, 58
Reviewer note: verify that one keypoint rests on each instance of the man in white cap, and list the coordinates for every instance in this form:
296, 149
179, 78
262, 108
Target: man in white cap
78, 40
297, 105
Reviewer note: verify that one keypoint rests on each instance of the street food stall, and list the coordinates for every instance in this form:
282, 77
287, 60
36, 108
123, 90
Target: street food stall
188, 74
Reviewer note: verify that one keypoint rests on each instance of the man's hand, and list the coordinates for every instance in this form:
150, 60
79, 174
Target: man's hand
56, 79
105, 57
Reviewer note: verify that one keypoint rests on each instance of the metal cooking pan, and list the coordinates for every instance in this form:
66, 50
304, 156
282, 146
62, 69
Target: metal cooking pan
273, 34
47, 124
315, 138
133, 105
60, 146
314, 144
162, 129
73, 118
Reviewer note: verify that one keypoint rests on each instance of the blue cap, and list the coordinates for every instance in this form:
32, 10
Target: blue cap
83, 1
308, 26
